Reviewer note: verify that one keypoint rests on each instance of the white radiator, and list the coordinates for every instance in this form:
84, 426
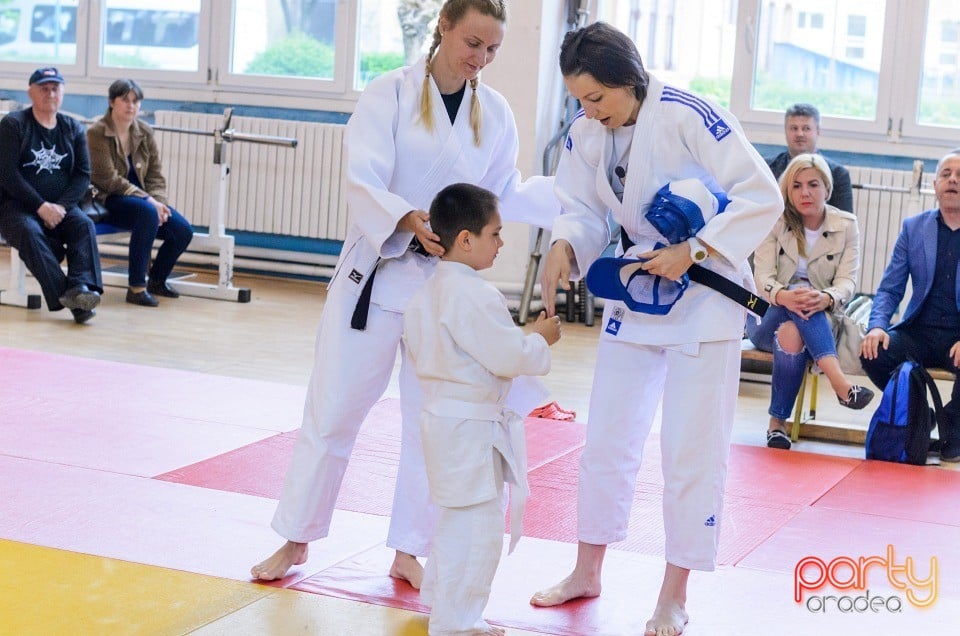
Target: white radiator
271, 189
881, 214
297, 192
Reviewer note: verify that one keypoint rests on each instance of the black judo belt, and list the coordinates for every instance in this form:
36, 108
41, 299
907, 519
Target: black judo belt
359, 319
737, 293
699, 274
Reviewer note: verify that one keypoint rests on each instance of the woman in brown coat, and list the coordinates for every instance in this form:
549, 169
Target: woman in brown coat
807, 268
125, 168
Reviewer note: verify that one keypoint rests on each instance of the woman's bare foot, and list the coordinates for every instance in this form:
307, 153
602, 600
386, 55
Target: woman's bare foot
668, 619
574, 586
289, 555
406, 568
670, 616
493, 630
583, 582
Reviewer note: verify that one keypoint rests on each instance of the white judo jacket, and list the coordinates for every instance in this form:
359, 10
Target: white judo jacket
466, 350
677, 136
395, 165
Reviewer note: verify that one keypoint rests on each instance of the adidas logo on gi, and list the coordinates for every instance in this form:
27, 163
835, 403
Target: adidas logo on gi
720, 129
710, 522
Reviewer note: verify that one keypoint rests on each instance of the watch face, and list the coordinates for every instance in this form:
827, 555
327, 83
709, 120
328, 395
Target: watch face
700, 255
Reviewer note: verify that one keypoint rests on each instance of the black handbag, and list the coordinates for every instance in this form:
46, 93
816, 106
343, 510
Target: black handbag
93, 208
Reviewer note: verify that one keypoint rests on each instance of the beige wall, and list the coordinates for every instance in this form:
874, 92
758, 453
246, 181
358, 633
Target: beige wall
526, 73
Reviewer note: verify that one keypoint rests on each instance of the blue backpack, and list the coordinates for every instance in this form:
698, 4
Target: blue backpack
900, 428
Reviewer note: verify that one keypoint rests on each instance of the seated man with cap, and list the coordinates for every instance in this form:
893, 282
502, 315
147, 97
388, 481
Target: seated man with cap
44, 172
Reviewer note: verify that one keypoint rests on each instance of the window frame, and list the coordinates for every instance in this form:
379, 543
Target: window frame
900, 26
22, 70
340, 85
98, 71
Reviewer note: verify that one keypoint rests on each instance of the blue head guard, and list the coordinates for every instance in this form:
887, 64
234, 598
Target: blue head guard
680, 209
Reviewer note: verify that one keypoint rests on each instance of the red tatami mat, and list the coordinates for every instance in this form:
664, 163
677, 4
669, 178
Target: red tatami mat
851, 537
158, 523
784, 477
917, 493
129, 419
826, 534
764, 490
732, 601
259, 468
101, 386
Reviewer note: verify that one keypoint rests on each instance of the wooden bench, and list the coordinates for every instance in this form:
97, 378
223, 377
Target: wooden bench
805, 424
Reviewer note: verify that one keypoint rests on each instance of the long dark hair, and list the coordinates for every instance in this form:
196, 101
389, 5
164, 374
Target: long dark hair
606, 54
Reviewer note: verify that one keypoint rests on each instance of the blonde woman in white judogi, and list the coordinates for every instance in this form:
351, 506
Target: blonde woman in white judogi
466, 350
406, 140
689, 358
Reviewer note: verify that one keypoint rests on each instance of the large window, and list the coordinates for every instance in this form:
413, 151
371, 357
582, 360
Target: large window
687, 44
38, 32
940, 83
144, 34
284, 38
883, 71
839, 73
392, 33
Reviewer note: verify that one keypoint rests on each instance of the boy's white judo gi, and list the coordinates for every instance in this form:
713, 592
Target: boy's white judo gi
394, 165
688, 357
465, 347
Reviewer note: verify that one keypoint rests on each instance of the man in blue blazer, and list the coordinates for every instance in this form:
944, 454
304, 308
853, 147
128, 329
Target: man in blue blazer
928, 253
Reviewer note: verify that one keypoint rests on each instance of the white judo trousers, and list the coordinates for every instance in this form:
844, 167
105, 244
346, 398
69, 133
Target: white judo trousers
351, 371
699, 394
459, 573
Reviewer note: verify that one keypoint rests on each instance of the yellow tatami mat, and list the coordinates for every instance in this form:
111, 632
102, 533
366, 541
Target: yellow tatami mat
45, 591
49, 591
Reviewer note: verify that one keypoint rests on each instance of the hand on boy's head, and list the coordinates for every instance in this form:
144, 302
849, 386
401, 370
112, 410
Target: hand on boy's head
549, 328
416, 221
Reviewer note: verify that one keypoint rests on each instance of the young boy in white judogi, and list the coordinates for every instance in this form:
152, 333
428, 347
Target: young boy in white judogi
466, 351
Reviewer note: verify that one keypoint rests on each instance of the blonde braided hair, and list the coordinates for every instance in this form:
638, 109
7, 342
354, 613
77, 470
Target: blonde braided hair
453, 11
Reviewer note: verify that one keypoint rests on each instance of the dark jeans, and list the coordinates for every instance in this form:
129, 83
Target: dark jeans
930, 348
42, 249
140, 217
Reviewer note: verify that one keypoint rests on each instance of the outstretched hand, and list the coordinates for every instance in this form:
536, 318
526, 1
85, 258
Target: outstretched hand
416, 221
555, 272
549, 328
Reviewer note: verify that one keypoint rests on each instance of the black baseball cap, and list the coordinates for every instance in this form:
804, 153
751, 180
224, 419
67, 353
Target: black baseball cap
46, 75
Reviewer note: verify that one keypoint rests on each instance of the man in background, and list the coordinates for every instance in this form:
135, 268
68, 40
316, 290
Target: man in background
802, 129
44, 172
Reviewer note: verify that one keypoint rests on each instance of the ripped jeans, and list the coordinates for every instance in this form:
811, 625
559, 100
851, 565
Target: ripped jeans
788, 368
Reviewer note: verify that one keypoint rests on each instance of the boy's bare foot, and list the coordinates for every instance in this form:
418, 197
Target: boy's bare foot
574, 586
493, 631
289, 555
668, 619
406, 568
